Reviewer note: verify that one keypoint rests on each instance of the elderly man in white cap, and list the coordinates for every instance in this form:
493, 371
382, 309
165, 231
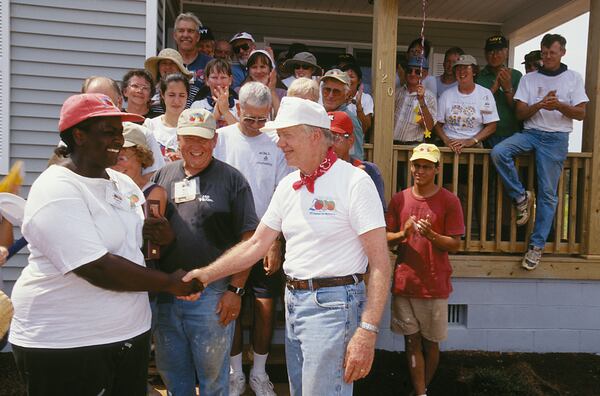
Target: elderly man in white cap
331, 217
242, 45
210, 208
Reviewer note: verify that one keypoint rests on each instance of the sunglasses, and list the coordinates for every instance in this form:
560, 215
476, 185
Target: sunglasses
257, 120
238, 48
303, 67
412, 70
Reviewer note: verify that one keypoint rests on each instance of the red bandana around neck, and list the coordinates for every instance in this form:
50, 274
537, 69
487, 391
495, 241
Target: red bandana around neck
309, 180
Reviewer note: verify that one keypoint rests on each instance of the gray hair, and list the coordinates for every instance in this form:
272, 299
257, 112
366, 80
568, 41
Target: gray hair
188, 16
255, 94
327, 135
304, 88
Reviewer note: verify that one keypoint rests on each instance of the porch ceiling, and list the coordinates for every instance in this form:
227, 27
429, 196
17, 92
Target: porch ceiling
467, 11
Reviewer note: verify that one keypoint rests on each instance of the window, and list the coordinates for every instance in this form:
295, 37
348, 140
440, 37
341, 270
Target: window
457, 315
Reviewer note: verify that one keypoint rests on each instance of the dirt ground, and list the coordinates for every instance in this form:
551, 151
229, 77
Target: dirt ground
461, 373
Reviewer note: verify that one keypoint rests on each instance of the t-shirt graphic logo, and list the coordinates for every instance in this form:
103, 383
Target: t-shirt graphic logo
205, 198
321, 206
264, 158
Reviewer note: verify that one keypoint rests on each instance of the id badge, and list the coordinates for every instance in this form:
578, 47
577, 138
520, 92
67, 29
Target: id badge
115, 198
185, 190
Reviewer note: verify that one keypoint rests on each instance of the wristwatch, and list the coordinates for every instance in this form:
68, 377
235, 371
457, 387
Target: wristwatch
240, 291
369, 327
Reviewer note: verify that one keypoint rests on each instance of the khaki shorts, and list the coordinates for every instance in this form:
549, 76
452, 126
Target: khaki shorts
426, 315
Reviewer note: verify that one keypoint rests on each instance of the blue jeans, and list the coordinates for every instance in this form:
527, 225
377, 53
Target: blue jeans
550, 150
191, 343
318, 326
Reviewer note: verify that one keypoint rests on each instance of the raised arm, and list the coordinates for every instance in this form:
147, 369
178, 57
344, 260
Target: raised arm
239, 258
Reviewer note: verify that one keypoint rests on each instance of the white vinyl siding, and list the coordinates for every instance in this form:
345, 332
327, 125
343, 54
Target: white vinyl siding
4, 87
54, 46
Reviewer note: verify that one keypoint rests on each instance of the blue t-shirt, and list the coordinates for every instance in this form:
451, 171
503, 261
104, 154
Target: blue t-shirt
357, 151
197, 68
375, 174
239, 75
210, 224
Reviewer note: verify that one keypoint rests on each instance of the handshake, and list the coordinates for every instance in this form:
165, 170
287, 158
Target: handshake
186, 285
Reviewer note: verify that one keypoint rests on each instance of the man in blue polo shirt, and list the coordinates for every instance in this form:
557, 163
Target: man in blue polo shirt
186, 34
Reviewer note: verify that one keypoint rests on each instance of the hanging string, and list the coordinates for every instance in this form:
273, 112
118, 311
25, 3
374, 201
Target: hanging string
419, 116
423, 6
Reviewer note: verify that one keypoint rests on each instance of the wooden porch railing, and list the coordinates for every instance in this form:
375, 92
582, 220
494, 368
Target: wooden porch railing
489, 214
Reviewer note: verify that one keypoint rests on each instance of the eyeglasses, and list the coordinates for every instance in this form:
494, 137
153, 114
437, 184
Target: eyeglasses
252, 120
238, 48
423, 167
136, 87
331, 91
340, 137
303, 67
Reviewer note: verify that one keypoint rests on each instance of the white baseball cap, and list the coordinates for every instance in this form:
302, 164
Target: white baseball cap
297, 111
242, 35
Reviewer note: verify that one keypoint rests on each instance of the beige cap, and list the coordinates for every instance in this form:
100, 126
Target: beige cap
197, 122
134, 135
466, 60
426, 151
338, 75
151, 64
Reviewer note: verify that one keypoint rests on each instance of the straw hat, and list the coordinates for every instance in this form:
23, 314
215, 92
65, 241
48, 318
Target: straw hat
6, 313
151, 63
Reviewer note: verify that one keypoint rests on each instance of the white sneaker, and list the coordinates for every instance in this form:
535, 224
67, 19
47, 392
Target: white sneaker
237, 384
261, 385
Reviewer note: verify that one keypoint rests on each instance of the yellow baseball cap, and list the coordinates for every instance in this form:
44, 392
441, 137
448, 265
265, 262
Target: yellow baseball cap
426, 151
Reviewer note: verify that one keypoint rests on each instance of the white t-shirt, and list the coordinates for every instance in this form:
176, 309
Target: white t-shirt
164, 135
367, 104
463, 115
289, 80
322, 229
569, 89
259, 159
153, 145
70, 222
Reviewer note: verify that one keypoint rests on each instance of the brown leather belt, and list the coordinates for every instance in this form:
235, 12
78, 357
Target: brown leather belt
317, 283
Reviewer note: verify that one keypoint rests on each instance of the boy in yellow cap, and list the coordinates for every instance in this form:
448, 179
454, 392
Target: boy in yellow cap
425, 222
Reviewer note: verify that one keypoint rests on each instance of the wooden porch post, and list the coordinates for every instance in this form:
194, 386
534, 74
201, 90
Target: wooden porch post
591, 133
385, 28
